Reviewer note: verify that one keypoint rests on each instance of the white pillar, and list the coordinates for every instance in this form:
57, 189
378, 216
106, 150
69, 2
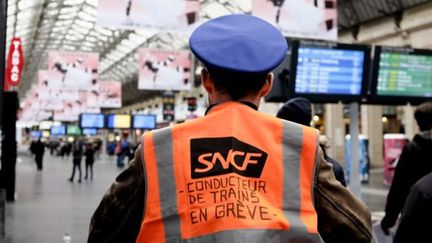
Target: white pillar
335, 131
409, 122
371, 126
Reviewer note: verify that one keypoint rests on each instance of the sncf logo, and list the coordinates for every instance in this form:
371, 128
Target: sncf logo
219, 156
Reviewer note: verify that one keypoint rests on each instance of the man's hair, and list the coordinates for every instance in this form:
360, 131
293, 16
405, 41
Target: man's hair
423, 116
237, 84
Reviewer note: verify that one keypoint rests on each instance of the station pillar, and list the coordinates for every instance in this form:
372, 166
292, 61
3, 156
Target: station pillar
335, 131
372, 127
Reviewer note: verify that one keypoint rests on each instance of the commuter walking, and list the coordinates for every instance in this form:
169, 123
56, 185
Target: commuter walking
77, 153
38, 149
234, 174
417, 213
89, 160
414, 163
122, 151
299, 110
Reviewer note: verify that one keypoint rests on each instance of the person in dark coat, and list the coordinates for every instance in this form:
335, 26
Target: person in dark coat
299, 110
417, 213
337, 168
38, 149
77, 153
89, 160
414, 163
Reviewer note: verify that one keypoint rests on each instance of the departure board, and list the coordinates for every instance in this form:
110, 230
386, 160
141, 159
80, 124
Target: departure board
330, 71
92, 120
404, 74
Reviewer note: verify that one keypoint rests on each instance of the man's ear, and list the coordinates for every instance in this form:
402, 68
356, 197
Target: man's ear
268, 85
207, 83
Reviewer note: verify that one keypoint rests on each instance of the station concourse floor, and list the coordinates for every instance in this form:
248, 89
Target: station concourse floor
49, 206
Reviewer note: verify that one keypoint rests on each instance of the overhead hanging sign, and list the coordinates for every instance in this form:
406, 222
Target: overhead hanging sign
15, 64
314, 19
164, 69
107, 94
149, 14
72, 70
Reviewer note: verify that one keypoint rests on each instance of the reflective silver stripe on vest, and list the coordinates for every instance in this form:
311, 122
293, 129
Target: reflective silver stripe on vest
163, 143
292, 144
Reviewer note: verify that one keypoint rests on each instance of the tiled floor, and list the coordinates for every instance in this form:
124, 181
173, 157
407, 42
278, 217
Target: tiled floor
48, 206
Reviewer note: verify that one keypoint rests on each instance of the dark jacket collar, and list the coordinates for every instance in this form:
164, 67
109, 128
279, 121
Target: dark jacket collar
248, 103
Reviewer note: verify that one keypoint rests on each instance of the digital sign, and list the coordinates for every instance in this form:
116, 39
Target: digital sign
329, 72
144, 121
403, 74
119, 121
73, 130
92, 120
35, 134
58, 130
89, 131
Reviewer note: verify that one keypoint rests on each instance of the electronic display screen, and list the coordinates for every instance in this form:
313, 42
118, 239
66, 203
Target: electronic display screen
73, 130
144, 122
36, 134
329, 71
404, 73
46, 134
89, 131
58, 130
119, 121
92, 120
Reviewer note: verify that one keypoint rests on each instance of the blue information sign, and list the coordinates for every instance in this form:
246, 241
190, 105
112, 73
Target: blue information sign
329, 71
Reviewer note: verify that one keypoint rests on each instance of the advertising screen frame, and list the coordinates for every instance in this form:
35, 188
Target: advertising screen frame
374, 97
108, 125
148, 115
329, 98
84, 114
55, 134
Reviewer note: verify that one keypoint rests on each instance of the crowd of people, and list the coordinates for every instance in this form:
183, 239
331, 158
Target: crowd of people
78, 149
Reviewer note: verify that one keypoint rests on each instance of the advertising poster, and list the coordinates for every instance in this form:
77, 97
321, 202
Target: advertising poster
43, 78
107, 94
77, 70
66, 94
316, 19
63, 115
51, 104
164, 69
149, 14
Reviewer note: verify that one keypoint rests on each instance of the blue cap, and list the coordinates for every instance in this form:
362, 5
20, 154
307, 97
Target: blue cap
239, 43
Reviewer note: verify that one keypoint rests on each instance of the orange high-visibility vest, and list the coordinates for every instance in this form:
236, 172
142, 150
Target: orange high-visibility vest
235, 175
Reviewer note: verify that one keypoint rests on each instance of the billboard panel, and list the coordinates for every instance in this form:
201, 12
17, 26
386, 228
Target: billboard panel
164, 69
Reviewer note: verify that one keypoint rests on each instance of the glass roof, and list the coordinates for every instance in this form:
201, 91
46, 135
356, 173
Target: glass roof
45, 25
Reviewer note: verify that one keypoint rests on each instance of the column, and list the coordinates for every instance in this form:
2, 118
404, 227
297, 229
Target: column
335, 131
409, 121
371, 127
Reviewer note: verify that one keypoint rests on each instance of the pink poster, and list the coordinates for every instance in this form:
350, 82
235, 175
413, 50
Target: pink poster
316, 19
51, 104
43, 78
108, 94
72, 109
63, 115
164, 69
150, 14
66, 94
77, 70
